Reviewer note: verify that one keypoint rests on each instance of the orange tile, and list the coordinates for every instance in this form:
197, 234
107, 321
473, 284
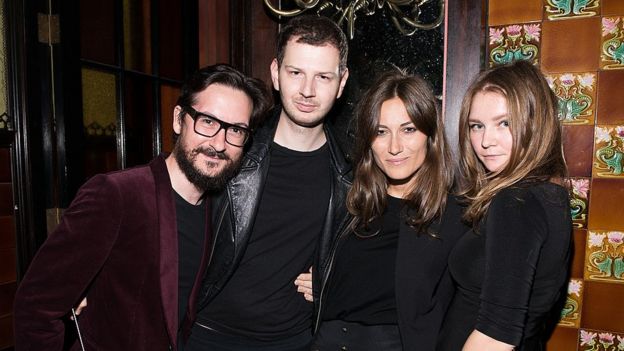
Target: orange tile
577, 96
608, 158
594, 340
603, 306
514, 42
578, 144
558, 10
610, 109
571, 312
563, 339
603, 250
571, 46
578, 260
612, 7
579, 201
514, 11
605, 204
612, 42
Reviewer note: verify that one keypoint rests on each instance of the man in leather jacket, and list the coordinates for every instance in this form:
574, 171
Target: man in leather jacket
276, 218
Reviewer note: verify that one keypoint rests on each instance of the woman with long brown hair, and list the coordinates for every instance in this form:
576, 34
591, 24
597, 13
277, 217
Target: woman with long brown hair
510, 270
386, 284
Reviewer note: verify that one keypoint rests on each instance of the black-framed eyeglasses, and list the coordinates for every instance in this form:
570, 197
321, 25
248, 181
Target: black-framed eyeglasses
209, 126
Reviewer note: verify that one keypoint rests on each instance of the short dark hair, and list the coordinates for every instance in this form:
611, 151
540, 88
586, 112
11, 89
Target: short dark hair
227, 75
316, 31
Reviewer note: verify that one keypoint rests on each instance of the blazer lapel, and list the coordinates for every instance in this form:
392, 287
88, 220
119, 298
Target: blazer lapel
168, 240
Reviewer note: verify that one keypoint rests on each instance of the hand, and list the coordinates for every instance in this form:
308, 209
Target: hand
304, 285
81, 306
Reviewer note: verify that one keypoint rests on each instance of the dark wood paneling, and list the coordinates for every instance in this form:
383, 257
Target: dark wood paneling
464, 42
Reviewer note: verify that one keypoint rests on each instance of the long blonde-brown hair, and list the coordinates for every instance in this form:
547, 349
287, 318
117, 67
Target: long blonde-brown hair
537, 152
426, 200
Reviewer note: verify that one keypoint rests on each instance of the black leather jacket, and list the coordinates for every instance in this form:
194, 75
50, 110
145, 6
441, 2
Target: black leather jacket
234, 209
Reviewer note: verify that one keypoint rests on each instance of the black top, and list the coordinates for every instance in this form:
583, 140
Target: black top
512, 272
361, 286
260, 300
191, 223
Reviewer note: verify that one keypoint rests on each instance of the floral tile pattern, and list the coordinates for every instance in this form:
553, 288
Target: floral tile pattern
563, 9
577, 96
612, 55
609, 152
579, 201
514, 42
595, 340
571, 312
604, 256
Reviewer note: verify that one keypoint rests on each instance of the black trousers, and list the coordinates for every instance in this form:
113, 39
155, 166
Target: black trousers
203, 339
341, 335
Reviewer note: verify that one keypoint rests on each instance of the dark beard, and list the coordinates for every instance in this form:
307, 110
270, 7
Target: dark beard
202, 181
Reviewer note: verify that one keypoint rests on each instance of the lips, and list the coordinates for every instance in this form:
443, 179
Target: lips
305, 107
396, 161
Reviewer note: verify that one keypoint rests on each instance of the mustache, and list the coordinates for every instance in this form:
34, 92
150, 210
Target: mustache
211, 152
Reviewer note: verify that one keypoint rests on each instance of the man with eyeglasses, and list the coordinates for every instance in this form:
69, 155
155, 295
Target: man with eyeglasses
283, 207
135, 241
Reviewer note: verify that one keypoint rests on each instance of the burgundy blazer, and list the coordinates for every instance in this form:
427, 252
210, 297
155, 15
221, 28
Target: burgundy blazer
117, 244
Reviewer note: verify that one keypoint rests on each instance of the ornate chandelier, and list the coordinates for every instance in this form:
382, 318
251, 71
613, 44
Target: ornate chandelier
405, 14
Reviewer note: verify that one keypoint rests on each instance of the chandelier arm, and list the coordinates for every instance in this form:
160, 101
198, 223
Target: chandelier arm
291, 13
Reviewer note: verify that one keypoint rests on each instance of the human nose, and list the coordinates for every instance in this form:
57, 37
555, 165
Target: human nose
395, 147
218, 140
488, 138
307, 87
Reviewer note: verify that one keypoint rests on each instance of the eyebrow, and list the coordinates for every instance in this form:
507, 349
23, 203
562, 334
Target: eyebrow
317, 73
210, 115
401, 125
496, 118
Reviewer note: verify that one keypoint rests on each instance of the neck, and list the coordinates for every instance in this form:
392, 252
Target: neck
296, 137
181, 184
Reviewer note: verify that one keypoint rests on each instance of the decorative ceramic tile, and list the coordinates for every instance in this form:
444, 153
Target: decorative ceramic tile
612, 7
577, 268
595, 340
577, 96
604, 256
609, 152
606, 210
612, 53
610, 109
579, 201
571, 312
514, 42
563, 9
570, 46
563, 339
502, 12
603, 306
578, 149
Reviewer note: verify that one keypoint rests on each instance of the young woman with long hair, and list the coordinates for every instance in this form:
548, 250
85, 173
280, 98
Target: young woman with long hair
511, 269
386, 285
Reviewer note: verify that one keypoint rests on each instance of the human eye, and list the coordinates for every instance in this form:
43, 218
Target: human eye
238, 131
294, 73
475, 126
324, 77
410, 129
206, 121
381, 132
504, 123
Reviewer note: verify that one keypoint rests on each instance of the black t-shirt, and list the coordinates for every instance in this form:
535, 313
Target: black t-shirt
260, 300
191, 222
362, 284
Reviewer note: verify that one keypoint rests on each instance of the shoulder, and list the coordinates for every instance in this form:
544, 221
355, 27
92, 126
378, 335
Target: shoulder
530, 196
